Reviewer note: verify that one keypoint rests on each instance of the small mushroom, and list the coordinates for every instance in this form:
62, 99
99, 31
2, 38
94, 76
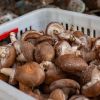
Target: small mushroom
79, 97
44, 52
71, 63
31, 36
52, 72
7, 56
57, 94
67, 85
55, 28
24, 49
30, 74
92, 88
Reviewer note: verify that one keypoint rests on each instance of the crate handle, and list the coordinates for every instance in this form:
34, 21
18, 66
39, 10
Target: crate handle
6, 34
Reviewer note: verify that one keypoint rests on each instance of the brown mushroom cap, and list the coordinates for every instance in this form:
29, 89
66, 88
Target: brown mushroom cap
64, 83
71, 63
78, 97
45, 38
44, 52
7, 56
27, 50
30, 35
52, 72
53, 28
92, 88
30, 74
57, 94
78, 34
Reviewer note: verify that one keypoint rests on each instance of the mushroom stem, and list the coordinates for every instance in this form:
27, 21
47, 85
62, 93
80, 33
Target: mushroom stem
12, 37
21, 58
8, 71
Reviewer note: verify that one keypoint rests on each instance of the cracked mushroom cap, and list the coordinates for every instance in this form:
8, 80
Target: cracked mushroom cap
44, 52
78, 97
31, 36
71, 63
64, 83
57, 94
7, 56
92, 88
55, 28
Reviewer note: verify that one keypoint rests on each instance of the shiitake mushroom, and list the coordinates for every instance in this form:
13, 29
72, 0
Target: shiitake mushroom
49, 59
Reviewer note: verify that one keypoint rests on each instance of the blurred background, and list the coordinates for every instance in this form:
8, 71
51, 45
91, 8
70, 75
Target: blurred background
10, 9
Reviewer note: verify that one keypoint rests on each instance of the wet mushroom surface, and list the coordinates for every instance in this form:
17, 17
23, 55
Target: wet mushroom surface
53, 64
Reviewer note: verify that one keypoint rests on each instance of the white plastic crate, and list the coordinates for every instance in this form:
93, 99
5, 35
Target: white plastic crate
7, 92
40, 18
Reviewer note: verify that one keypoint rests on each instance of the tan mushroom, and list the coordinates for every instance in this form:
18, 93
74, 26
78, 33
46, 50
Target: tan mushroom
67, 85
71, 63
78, 97
57, 94
7, 56
44, 52
52, 72
31, 36
24, 49
55, 28
45, 38
92, 88
30, 74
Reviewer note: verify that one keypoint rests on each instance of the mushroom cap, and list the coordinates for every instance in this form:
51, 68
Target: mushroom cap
71, 63
53, 28
7, 56
62, 47
57, 94
30, 35
78, 34
92, 88
78, 97
27, 50
52, 72
4, 77
44, 52
64, 83
45, 38
30, 74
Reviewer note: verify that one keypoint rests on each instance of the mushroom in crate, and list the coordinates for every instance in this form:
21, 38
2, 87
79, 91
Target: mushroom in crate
29, 76
55, 28
24, 49
92, 87
52, 72
57, 94
7, 58
31, 36
71, 63
44, 52
79, 97
68, 87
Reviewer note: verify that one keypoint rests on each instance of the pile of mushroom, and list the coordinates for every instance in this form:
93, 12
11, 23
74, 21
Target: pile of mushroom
57, 64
